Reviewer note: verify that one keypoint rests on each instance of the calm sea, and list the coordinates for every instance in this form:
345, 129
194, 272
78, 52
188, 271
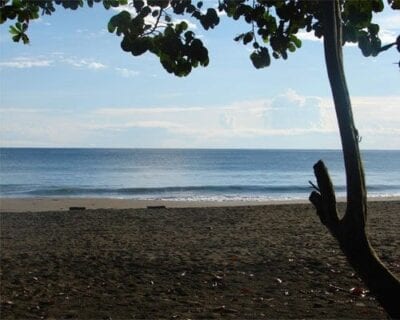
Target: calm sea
183, 174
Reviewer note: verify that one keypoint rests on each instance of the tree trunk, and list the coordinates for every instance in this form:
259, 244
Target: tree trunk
350, 230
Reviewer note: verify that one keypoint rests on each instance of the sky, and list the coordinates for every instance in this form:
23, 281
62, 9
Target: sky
73, 86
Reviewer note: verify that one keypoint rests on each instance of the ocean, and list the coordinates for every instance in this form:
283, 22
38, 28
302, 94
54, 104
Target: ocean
184, 174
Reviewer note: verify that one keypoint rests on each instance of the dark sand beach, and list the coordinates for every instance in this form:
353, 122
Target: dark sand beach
251, 262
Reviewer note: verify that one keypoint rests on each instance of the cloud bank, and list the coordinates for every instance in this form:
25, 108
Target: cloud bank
59, 59
289, 120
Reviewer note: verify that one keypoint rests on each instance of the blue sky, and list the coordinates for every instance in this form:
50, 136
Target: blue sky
74, 87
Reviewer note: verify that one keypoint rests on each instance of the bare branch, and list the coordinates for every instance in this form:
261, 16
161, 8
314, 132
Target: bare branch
156, 25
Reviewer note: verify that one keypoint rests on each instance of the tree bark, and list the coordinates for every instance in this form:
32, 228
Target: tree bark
350, 230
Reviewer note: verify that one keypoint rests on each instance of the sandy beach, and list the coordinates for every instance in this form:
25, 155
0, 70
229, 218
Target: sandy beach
180, 262
63, 204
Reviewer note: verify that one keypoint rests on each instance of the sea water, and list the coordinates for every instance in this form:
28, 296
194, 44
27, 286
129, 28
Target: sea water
184, 174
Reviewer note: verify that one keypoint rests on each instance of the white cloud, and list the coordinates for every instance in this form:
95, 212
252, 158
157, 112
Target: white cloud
388, 36
87, 34
228, 120
58, 53
389, 26
377, 115
126, 73
290, 117
83, 63
57, 57
23, 110
73, 62
137, 124
388, 22
284, 115
25, 62
41, 128
241, 119
124, 112
308, 36
95, 65
293, 111
220, 13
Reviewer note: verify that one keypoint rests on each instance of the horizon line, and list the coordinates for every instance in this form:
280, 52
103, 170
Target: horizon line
194, 148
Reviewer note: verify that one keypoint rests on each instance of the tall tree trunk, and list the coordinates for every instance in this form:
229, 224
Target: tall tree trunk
350, 230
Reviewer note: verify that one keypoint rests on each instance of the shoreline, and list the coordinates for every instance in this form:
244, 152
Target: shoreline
42, 204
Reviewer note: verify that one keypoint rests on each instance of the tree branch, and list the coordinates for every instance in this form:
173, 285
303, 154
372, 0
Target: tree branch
325, 200
155, 24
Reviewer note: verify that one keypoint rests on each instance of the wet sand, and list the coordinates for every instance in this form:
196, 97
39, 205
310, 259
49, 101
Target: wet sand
62, 204
241, 262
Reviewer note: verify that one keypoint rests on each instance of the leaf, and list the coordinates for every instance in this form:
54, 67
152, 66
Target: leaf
111, 27
376, 45
25, 38
365, 45
145, 11
189, 36
350, 33
199, 52
106, 4
248, 37
119, 22
373, 29
139, 46
179, 28
16, 38
377, 5
239, 37
260, 58
295, 40
291, 47
14, 31
210, 19
157, 3
138, 4
126, 44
